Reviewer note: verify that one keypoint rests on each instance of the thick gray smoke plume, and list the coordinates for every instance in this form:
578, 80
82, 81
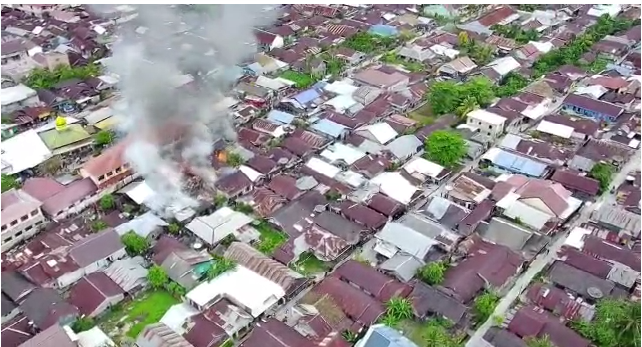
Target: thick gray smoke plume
152, 56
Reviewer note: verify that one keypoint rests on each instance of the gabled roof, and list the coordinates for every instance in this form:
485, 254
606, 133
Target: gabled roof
369, 279
274, 333
54, 336
96, 247
427, 300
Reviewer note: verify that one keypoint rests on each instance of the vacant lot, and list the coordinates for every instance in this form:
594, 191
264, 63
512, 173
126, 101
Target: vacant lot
131, 317
308, 264
270, 238
423, 115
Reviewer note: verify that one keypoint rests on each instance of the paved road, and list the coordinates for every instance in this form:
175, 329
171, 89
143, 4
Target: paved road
540, 261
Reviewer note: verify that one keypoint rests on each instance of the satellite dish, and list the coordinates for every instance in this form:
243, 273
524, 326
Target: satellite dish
595, 293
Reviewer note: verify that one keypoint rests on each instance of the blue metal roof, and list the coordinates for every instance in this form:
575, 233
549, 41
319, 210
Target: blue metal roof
519, 164
306, 96
280, 117
383, 30
329, 128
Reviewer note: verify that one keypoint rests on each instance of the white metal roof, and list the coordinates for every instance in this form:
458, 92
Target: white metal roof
243, 286
505, 65
322, 167
424, 167
94, 337
252, 174
340, 151
16, 94
382, 132
406, 239
218, 225
343, 87
486, 117
576, 237
176, 316
395, 186
560, 130
23, 151
527, 214
138, 191
341, 102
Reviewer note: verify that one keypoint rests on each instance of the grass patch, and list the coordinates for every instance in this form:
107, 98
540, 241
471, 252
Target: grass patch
270, 238
412, 66
141, 312
423, 115
436, 330
302, 80
308, 263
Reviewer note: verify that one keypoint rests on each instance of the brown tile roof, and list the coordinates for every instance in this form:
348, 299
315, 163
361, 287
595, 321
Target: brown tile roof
72, 193
496, 16
265, 266
297, 146
205, 333
274, 333
581, 125
233, 183
42, 188
369, 279
96, 247
553, 299
92, 291
50, 337
16, 203
164, 247
485, 262
573, 181
266, 201
108, 161
16, 331
285, 186
385, 205
362, 215
427, 301
531, 322
359, 306
159, 334
585, 262
605, 250
261, 164
593, 105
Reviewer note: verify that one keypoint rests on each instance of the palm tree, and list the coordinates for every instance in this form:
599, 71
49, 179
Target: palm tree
469, 104
399, 308
543, 341
220, 266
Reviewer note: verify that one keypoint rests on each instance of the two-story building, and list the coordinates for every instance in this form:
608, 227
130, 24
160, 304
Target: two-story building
110, 168
21, 217
489, 124
596, 109
16, 61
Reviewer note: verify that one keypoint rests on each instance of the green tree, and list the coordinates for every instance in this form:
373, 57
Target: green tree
435, 334
511, 85
463, 39
174, 228
176, 289
45, 79
104, 138
98, 225
444, 97
9, 182
243, 208
479, 88
157, 277
220, 200
83, 324
603, 172
484, 306
234, 159
433, 273
616, 324
332, 195
399, 308
107, 202
350, 337
445, 148
219, 266
135, 244
544, 341
481, 54
468, 105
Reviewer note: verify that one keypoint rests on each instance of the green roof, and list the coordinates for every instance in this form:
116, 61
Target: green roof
440, 10
71, 134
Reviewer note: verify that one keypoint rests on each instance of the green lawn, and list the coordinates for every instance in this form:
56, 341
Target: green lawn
419, 332
270, 239
302, 80
145, 310
308, 263
423, 115
412, 66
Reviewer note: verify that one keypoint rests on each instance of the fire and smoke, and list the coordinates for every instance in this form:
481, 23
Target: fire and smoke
150, 55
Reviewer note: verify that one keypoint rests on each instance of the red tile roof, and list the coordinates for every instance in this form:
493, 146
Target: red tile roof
285, 186
72, 193
605, 250
593, 105
42, 188
363, 215
496, 16
274, 333
356, 304
385, 205
531, 322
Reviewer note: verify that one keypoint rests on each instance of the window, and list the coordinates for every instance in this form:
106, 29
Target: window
110, 174
4, 227
24, 218
19, 233
34, 213
101, 177
119, 170
28, 228
14, 222
8, 239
